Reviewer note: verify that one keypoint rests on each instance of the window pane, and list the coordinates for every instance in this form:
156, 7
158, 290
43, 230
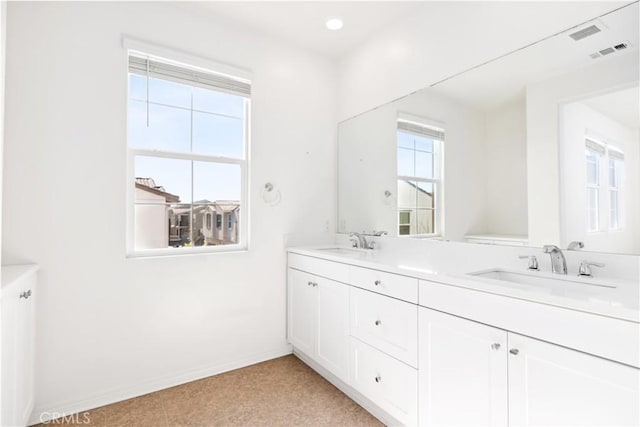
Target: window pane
137, 87
404, 217
425, 221
169, 128
592, 209
405, 140
218, 135
614, 220
592, 168
214, 182
218, 102
425, 197
160, 179
406, 162
406, 194
424, 144
170, 93
424, 165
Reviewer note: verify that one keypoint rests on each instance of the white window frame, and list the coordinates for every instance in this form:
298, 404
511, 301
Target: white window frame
598, 189
604, 188
438, 183
181, 58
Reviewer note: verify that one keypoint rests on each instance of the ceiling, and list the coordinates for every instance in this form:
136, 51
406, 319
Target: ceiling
622, 106
303, 22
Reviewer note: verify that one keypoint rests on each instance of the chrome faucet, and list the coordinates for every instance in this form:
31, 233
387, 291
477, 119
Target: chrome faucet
558, 261
359, 241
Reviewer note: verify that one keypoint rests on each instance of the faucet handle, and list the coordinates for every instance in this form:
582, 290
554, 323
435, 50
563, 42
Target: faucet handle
585, 268
533, 261
354, 240
573, 246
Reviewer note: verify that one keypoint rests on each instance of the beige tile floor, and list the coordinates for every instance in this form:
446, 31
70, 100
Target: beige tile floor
279, 392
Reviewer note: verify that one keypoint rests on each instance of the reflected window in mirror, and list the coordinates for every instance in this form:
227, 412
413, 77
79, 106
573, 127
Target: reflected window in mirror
604, 211
419, 166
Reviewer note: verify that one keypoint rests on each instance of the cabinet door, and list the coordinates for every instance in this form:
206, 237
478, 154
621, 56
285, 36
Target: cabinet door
462, 372
25, 346
553, 385
332, 327
302, 311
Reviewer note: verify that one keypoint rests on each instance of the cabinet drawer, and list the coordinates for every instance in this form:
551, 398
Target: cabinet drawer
387, 382
387, 324
394, 285
319, 267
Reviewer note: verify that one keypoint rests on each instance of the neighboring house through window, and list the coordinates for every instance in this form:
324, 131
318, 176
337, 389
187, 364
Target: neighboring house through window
187, 142
420, 183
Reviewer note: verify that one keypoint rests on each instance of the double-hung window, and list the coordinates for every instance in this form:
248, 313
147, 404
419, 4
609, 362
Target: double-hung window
420, 179
604, 186
188, 137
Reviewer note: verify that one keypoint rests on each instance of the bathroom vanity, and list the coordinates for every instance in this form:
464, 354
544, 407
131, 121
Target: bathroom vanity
459, 338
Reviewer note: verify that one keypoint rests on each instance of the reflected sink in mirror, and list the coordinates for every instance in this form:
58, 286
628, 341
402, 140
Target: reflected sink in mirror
543, 282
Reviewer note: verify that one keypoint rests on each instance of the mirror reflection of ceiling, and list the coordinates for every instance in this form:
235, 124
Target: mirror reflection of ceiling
622, 106
498, 82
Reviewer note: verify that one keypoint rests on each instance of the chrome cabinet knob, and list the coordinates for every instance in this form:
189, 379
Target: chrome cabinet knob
315, 285
378, 379
514, 351
309, 283
378, 322
495, 346
377, 283
25, 294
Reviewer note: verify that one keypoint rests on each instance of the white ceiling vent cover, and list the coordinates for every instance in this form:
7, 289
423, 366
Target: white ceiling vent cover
585, 32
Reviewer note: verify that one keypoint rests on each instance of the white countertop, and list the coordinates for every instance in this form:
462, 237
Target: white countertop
13, 273
621, 302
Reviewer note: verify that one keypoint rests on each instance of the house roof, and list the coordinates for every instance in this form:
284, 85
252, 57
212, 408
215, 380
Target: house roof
149, 185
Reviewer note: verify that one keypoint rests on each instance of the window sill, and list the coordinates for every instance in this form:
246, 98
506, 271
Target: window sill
179, 252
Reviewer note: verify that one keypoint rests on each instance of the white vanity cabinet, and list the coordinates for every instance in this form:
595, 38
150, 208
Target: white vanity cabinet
18, 339
550, 385
318, 323
474, 374
420, 352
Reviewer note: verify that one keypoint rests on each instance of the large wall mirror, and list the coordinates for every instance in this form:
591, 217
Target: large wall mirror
541, 146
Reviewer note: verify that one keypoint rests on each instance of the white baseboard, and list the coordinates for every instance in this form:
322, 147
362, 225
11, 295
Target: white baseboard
357, 397
48, 411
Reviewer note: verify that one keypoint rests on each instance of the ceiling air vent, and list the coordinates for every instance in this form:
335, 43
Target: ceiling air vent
595, 55
607, 51
585, 32
620, 46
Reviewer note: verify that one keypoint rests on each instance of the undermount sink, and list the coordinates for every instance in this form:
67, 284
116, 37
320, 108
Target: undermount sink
344, 251
541, 280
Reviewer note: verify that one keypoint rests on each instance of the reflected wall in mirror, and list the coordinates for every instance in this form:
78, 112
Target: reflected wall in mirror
490, 156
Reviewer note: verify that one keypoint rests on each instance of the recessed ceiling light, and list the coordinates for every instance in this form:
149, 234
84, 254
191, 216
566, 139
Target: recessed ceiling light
334, 24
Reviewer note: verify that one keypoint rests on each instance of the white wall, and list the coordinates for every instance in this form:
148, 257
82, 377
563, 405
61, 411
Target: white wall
577, 121
110, 327
367, 165
3, 35
506, 169
425, 47
543, 99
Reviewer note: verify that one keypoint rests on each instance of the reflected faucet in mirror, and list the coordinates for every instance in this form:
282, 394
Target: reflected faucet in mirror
574, 246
